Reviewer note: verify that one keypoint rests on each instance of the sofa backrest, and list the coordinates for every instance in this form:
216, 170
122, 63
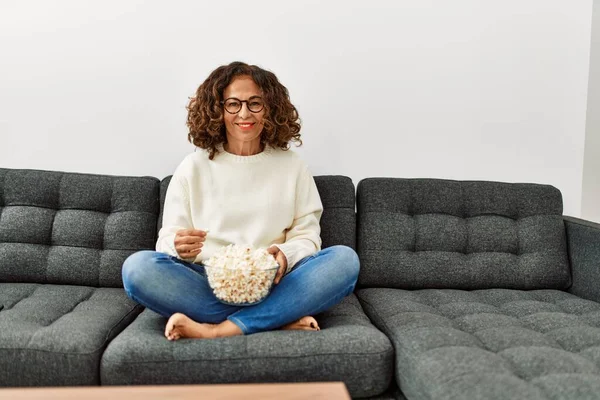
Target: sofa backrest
432, 233
69, 228
338, 222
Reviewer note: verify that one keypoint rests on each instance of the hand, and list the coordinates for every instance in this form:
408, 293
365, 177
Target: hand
189, 242
281, 260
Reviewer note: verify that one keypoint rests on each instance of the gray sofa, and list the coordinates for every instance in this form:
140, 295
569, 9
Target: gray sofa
475, 290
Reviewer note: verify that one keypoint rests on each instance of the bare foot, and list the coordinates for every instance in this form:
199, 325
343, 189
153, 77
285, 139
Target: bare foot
181, 326
307, 323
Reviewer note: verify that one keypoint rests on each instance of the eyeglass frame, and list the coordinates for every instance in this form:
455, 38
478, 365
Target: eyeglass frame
242, 104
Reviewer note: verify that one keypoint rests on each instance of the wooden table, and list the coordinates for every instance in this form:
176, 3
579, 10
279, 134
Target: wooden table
267, 391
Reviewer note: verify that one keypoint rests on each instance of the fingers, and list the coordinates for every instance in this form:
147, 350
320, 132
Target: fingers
189, 239
188, 242
189, 247
189, 250
194, 251
279, 274
186, 245
281, 260
274, 251
192, 232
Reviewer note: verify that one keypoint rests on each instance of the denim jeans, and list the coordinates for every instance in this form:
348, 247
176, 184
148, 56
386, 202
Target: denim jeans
167, 285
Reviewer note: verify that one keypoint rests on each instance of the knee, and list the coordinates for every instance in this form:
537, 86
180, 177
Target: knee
135, 267
349, 261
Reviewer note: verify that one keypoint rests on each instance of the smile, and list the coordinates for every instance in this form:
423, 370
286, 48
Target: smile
245, 125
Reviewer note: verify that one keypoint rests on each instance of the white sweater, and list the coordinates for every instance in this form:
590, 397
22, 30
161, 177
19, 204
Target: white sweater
260, 200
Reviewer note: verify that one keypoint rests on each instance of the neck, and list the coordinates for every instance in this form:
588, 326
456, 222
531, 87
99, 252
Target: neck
243, 148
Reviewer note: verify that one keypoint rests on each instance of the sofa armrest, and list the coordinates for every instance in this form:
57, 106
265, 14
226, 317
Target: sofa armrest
583, 240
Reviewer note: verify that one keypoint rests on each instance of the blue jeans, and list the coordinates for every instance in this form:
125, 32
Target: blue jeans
167, 285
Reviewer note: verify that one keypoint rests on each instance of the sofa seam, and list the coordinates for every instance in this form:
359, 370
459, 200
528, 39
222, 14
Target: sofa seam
147, 177
2, 192
50, 242
133, 308
48, 351
77, 209
378, 317
74, 247
384, 352
463, 213
580, 222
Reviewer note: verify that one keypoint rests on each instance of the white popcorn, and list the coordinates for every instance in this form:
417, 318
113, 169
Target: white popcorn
241, 274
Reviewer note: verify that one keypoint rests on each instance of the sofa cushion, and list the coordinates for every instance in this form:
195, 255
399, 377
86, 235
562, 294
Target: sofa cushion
53, 335
347, 348
431, 233
338, 221
69, 228
490, 344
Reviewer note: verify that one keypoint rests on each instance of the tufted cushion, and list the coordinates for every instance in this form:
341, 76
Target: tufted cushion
53, 335
338, 222
490, 344
73, 228
430, 233
347, 348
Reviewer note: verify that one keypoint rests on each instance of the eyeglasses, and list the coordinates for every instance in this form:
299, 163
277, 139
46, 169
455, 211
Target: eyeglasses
233, 106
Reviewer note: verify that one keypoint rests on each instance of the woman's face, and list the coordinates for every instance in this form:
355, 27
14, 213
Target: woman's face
244, 127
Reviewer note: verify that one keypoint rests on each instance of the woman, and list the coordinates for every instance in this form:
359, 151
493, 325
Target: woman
245, 188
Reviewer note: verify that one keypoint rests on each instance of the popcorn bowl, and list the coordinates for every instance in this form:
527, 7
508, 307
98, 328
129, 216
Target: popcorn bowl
240, 275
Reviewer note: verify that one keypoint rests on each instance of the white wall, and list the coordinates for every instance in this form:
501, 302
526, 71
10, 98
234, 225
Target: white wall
466, 89
590, 205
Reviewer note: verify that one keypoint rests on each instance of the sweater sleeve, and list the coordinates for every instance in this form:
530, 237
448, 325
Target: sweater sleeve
176, 216
303, 238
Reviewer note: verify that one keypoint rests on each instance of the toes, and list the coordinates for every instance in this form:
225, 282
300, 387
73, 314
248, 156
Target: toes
173, 335
308, 328
168, 330
310, 321
307, 323
171, 326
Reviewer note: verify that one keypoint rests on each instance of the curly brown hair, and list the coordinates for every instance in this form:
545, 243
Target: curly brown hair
205, 112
